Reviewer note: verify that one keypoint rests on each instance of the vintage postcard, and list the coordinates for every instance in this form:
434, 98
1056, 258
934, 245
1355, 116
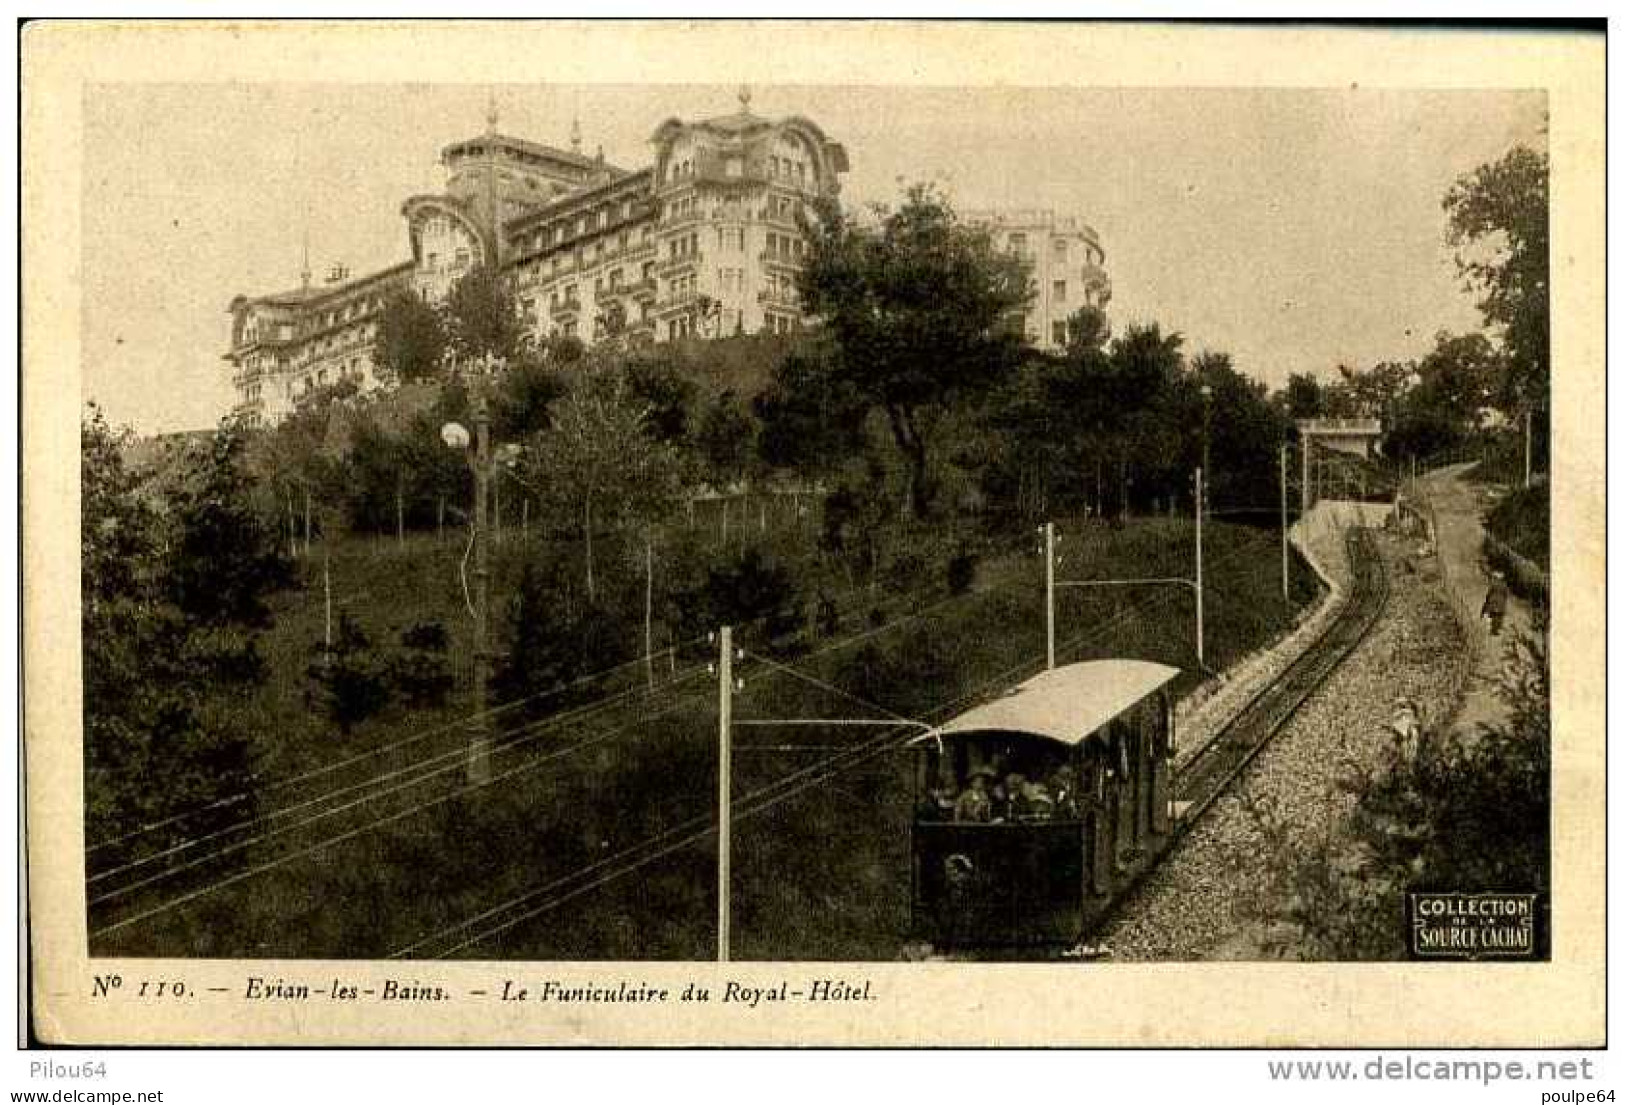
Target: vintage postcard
813, 533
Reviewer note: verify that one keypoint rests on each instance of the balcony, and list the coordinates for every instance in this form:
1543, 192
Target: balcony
685, 218
784, 220
677, 302
568, 306
677, 264
780, 297
780, 261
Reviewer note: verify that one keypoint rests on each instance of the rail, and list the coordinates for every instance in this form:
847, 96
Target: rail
1208, 774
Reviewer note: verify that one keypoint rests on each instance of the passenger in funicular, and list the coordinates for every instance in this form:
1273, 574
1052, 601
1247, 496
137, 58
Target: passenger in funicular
975, 804
940, 800
1042, 789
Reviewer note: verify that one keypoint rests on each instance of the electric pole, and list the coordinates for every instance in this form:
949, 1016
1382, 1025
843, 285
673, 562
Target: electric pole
1201, 660
1049, 595
1286, 591
1307, 444
725, 685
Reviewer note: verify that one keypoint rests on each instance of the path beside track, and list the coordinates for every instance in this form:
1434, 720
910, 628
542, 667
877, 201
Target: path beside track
1458, 507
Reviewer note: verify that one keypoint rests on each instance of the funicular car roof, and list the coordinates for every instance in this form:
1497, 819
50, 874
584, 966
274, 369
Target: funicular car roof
1065, 704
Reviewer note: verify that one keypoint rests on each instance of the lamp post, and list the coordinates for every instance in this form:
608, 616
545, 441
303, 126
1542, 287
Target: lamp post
457, 437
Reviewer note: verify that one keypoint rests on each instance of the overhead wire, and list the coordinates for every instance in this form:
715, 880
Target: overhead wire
294, 780
505, 743
237, 877
748, 805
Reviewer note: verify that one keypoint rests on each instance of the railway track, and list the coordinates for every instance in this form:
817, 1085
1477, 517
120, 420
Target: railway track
1209, 774
1211, 771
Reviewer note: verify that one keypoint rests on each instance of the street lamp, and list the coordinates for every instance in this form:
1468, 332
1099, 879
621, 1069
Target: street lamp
456, 436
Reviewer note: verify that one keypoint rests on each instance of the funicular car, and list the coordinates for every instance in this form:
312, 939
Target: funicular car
1033, 809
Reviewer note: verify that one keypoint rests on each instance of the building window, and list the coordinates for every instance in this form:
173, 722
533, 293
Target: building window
1018, 243
1058, 332
1058, 291
1060, 249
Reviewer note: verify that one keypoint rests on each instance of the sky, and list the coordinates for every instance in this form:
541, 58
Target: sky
1295, 230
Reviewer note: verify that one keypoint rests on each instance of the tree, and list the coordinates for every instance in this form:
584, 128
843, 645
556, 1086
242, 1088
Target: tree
553, 640
523, 398
1129, 406
652, 380
597, 461
481, 316
726, 438
812, 417
1447, 396
421, 670
1303, 396
919, 310
1087, 328
1244, 432
224, 559
350, 681
166, 740
411, 339
1498, 219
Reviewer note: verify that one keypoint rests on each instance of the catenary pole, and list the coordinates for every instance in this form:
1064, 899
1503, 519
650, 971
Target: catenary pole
1307, 444
1201, 659
1286, 588
725, 685
1049, 595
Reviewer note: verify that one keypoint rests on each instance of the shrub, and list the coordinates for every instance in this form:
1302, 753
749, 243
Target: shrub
421, 671
1455, 813
350, 681
555, 638
1523, 521
961, 571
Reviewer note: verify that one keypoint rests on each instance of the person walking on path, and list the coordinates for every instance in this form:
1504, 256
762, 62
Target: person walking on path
1495, 603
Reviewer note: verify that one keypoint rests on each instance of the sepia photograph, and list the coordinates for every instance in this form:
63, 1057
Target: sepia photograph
801, 521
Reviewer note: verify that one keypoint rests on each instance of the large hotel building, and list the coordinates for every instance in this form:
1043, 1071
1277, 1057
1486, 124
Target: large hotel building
703, 243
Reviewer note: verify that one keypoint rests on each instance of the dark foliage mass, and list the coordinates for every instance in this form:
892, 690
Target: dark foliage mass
349, 679
170, 635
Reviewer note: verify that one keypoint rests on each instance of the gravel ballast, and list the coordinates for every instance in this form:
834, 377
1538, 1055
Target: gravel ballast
1201, 903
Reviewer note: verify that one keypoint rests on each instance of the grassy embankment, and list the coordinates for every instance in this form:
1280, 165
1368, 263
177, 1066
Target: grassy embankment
823, 874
